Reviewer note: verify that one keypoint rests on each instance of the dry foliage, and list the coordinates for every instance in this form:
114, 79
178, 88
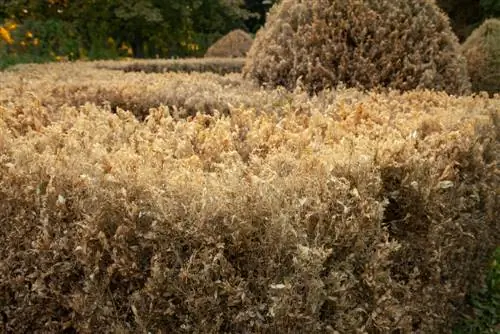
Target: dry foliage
81, 83
366, 44
212, 64
233, 45
346, 212
482, 50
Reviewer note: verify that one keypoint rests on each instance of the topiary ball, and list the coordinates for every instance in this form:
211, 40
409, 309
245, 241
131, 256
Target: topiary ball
368, 44
482, 51
233, 45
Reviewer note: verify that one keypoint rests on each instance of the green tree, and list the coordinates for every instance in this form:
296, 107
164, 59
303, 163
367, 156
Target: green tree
137, 20
260, 8
151, 27
466, 15
491, 8
212, 19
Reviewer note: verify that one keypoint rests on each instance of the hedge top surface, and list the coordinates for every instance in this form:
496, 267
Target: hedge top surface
366, 44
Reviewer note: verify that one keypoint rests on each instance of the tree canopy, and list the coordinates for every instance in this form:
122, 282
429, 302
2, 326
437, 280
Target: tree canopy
151, 28
156, 28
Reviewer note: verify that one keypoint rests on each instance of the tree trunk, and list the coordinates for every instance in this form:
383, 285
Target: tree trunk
138, 47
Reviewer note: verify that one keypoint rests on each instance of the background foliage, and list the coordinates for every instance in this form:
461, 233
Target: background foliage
65, 29
107, 29
467, 15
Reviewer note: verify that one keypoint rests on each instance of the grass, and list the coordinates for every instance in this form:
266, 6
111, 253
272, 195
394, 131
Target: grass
485, 304
7, 60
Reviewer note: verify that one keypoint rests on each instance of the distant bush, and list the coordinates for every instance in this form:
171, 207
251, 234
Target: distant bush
187, 65
55, 38
233, 45
482, 50
367, 44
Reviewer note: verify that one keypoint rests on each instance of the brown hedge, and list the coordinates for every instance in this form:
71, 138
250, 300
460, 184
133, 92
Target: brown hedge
96, 83
219, 65
233, 45
366, 44
80, 83
482, 51
342, 212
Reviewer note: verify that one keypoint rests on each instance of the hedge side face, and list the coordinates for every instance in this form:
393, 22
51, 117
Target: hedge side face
366, 44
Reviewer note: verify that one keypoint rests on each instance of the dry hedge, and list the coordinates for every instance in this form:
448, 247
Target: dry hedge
345, 212
482, 50
366, 44
212, 64
94, 82
233, 45
81, 83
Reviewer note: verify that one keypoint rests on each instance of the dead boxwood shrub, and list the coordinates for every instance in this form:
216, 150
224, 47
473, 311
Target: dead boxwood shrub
215, 65
482, 50
34, 102
31, 99
372, 213
367, 44
233, 45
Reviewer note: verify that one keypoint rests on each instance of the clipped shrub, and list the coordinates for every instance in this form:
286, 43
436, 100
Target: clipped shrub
347, 212
100, 83
233, 45
215, 65
482, 51
367, 44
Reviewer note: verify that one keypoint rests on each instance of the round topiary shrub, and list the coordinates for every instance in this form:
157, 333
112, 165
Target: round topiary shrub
482, 50
368, 44
233, 45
